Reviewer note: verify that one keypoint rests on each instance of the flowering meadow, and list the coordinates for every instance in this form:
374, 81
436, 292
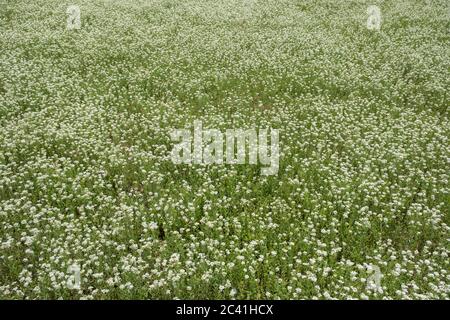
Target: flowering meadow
92, 207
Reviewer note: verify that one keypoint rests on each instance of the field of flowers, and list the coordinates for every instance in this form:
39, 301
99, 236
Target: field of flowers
86, 180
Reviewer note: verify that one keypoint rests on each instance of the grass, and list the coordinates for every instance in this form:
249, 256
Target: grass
86, 177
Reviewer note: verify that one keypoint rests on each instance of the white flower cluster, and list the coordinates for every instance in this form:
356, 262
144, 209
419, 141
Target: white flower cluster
89, 195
